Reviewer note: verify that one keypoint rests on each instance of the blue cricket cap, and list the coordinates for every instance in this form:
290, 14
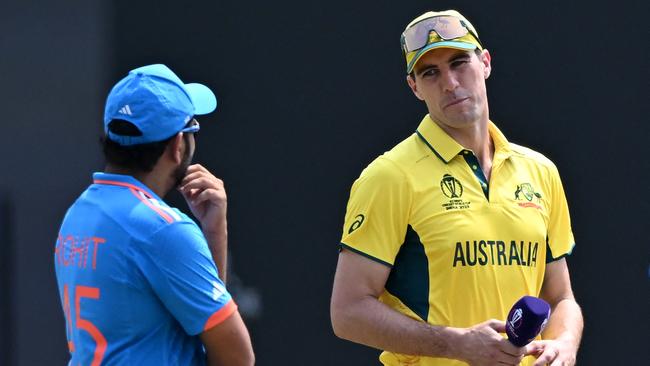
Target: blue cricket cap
157, 102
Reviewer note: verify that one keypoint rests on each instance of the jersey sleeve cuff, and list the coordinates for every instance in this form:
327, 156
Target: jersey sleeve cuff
357, 251
220, 315
549, 254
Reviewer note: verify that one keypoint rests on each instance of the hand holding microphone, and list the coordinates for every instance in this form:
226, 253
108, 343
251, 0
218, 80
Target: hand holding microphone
483, 343
528, 318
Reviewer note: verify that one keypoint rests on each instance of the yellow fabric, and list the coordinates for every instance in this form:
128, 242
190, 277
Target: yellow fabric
481, 255
413, 57
436, 42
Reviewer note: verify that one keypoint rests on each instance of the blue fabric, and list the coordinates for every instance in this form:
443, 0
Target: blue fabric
156, 101
156, 280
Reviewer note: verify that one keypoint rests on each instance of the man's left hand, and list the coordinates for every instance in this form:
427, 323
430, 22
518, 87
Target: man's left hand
206, 196
554, 353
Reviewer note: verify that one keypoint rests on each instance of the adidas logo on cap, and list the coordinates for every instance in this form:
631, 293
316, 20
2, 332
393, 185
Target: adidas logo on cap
126, 110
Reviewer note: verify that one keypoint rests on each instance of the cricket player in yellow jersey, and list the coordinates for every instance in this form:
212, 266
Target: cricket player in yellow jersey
446, 231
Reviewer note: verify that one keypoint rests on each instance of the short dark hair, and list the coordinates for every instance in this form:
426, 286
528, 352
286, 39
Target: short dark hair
141, 157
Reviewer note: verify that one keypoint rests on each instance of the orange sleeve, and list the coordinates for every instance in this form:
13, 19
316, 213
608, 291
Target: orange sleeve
220, 315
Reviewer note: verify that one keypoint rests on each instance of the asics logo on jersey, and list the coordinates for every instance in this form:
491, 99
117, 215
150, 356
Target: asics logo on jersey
125, 110
357, 223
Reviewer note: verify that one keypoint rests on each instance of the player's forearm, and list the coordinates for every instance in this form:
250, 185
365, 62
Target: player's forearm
374, 324
566, 323
217, 238
228, 343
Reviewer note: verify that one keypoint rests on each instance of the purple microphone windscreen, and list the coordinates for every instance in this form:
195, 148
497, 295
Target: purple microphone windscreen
526, 320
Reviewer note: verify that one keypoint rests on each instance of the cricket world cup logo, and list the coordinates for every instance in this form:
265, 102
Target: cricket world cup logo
451, 186
515, 322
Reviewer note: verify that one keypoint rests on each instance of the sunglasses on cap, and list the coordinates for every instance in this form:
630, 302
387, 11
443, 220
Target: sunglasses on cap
192, 127
446, 27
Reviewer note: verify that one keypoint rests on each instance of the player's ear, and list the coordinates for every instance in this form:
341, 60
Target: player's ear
486, 60
410, 80
175, 148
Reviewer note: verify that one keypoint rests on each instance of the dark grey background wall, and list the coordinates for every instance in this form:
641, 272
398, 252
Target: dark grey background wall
53, 67
309, 93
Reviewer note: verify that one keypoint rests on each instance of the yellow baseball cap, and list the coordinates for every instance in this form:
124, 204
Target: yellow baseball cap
437, 29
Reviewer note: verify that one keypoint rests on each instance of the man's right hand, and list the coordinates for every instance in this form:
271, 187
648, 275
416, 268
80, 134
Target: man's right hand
483, 345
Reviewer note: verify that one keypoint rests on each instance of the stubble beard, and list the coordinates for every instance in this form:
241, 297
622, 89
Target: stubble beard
468, 116
181, 170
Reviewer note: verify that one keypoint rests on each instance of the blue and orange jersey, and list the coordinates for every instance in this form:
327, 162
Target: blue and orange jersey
136, 278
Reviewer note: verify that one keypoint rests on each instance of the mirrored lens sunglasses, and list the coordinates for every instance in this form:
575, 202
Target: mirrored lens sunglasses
446, 27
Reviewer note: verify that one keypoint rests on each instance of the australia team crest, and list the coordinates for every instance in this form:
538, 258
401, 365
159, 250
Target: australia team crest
526, 196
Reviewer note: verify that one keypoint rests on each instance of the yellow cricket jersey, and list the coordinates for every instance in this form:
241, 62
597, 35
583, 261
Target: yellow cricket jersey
461, 249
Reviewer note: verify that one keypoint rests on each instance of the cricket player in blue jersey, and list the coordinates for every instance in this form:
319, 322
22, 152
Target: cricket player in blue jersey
140, 282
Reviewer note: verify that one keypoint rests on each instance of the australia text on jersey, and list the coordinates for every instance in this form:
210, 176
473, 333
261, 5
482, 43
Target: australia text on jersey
495, 252
74, 250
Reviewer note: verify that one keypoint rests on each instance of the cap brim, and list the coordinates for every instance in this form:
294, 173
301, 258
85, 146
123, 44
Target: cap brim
444, 44
202, 97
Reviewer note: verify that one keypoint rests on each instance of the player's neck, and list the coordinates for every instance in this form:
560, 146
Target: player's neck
477, 138
154, 180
